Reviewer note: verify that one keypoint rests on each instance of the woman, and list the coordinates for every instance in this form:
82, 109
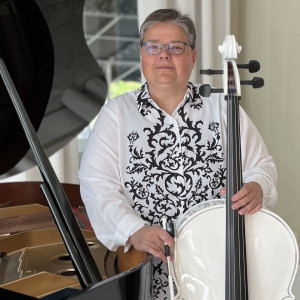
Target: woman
160, 150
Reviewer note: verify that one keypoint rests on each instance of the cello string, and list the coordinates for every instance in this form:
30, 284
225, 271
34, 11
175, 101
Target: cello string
238, 275
240, 218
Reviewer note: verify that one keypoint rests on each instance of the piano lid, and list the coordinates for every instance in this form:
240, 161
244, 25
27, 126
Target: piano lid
60, 83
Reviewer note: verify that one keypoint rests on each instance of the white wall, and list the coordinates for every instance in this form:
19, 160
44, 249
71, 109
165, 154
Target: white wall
268, 30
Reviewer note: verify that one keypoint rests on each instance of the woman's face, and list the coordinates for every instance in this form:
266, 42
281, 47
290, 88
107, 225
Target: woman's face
164, 68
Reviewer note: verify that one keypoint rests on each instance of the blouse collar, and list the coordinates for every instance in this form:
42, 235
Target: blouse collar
144, 99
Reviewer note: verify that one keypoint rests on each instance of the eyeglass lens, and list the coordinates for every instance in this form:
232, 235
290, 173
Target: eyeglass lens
153, 48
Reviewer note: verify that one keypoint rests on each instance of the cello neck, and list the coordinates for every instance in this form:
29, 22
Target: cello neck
236, 262
236, 285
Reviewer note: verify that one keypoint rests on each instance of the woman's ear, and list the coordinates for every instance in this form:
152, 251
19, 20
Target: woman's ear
194, 54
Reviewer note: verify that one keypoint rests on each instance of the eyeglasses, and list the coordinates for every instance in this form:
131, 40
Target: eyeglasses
175, 48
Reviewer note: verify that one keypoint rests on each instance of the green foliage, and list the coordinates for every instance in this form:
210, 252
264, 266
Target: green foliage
120, 87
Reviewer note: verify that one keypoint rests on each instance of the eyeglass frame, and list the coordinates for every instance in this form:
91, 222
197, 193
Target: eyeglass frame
165, 45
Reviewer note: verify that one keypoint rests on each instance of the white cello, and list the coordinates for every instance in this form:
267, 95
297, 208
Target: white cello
220, 254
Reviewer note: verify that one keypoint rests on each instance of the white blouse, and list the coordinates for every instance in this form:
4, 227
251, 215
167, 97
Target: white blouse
141, 162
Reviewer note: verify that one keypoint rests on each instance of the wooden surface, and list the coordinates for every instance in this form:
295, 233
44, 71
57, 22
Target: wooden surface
29, 192
130, 259
21, 197
40, 220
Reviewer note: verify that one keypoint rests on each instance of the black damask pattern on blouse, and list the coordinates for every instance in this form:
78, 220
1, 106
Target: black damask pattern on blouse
158, 164
160, 281
163, 158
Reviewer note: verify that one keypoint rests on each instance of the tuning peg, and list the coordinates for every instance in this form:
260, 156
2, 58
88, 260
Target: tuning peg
210, 72
256, 82
253, 66
205, 90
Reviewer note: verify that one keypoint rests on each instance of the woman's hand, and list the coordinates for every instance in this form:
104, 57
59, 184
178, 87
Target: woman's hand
151, 239
248, 199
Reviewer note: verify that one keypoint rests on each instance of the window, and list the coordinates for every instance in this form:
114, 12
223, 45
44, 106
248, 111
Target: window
112, 35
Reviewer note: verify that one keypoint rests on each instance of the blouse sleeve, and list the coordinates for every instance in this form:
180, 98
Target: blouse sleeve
109, 211
258, 164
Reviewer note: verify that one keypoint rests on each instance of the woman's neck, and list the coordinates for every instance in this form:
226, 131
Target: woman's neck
167, 99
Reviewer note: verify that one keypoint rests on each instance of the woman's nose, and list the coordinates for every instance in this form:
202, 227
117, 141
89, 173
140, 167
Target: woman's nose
164, 53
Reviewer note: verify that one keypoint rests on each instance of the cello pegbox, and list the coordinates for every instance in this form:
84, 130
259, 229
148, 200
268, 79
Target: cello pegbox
230, 50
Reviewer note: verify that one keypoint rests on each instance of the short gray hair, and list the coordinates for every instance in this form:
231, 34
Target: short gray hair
172, 16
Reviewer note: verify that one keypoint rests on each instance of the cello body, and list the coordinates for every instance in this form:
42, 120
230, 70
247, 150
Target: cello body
272, 254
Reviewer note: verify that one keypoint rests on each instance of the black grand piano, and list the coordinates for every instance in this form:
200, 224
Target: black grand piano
48, 249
